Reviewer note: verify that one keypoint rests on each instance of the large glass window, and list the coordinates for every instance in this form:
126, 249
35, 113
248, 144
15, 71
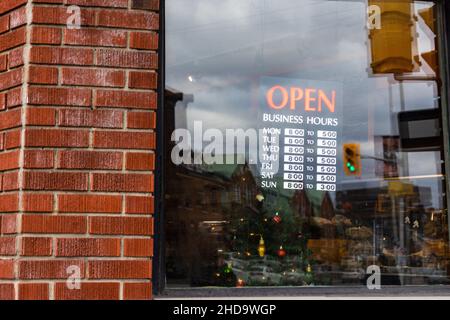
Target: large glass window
304, 143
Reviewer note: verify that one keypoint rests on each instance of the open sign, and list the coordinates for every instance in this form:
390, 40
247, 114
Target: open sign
309, 99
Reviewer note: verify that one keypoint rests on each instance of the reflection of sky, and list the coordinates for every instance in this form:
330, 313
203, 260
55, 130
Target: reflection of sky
225, 46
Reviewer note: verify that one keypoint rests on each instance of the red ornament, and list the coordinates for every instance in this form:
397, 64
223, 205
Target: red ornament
281, 252
277, 218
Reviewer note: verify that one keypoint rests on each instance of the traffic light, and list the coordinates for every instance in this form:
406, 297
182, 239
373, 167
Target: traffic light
393, 44
352, 159
430, 57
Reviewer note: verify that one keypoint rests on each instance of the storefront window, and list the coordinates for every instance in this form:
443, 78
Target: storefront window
304, 143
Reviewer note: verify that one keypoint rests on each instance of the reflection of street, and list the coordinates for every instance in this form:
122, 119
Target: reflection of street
406, 240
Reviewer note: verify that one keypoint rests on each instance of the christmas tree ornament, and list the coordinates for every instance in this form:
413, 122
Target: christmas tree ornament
281, 252
277, 218
240, 283
261, 248
227, 269
309, 276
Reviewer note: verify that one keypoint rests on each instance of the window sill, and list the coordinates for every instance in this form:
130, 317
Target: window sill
306, 292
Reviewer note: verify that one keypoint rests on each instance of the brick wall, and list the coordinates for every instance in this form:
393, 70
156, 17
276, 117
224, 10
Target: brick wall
77, 141
12, 43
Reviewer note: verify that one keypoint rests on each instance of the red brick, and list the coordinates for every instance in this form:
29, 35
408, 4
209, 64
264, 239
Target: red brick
74, 203
60, 16
37, 202
41, 117
9, 224
60, 96
3, 64
140, 161
12, 39
124, 140
119, 269
90, 118
58, 181
18, 18
88, 291
137, 291
48, 269
56, 138
93, 77
126, 99
141, 120
128, 19
121, 226
43, 75
119, 182
6, 269
53, 224
83, 247
140, 205
11, 79
10, 119
127, 59
15, 58
34, 247
12, 139
144, 40
7, 291
11, 181
62, 56
46, 35
145, 4
49, 1
39, 159
4, 23
6, 6
14, 98
94, 37
2, 101
33, 291
9, 203
100, 3
7, 246
138, 247
9, 160
90, 160
143, 80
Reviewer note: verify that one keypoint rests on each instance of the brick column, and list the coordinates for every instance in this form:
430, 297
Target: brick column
77, 140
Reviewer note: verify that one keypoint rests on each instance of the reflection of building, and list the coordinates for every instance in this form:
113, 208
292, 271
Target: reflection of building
214, 219
200, 199
361, 199
301, 205
244, 186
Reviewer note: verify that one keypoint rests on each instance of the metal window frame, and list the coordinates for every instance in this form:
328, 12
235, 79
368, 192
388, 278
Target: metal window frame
444, 62
158, 266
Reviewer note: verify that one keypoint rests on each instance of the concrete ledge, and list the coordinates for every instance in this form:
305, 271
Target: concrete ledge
308, 292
